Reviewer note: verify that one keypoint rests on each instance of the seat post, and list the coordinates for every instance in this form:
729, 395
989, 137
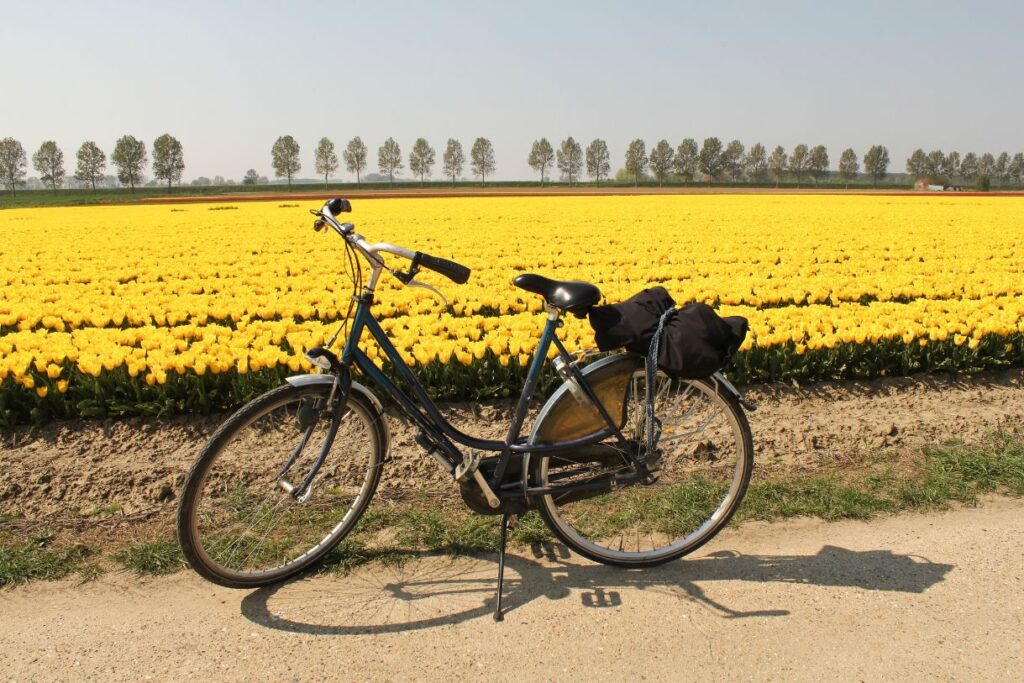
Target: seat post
553, 313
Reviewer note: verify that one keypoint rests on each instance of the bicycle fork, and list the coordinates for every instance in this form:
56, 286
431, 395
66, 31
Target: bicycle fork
309, 415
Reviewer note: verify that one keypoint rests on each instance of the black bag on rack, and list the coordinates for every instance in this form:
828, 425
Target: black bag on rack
696, 342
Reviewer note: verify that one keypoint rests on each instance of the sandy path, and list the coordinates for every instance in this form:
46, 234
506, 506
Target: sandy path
936, 596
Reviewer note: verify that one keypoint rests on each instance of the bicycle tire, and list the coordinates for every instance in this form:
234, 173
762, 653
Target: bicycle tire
188, 518
555, 517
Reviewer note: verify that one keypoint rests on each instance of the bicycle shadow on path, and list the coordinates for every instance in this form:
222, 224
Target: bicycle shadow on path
434, 590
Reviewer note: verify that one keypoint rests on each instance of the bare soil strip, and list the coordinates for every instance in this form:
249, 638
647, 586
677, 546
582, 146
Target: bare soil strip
68, 469
935, 596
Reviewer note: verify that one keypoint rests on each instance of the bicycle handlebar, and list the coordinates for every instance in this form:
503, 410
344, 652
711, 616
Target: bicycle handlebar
456, 272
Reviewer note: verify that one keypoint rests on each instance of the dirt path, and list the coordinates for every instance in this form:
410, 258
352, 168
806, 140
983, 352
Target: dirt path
139, 464
913, 597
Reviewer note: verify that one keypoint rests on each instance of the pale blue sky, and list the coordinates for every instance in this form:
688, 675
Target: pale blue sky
227, 78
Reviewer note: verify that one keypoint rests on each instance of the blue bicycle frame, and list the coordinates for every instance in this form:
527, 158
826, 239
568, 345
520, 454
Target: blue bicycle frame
439, 432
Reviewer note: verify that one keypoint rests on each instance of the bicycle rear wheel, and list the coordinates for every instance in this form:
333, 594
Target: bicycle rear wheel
702, 466
239, 524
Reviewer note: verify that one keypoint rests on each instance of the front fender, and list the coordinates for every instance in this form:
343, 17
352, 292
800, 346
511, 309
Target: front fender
327, 379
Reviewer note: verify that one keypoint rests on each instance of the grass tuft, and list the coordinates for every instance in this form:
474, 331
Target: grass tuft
162, 556
33, 560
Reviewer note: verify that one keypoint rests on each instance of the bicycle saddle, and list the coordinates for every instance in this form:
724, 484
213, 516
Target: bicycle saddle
573, 296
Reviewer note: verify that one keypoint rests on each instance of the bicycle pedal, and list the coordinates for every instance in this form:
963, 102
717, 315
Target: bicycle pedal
469, 465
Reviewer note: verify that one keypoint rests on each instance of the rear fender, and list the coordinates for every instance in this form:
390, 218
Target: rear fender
720, 382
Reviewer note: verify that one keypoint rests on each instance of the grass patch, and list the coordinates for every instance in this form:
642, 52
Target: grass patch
952, 473
160, 556
34, 559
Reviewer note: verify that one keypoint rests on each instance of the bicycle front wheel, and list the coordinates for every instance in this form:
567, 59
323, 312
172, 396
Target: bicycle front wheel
245, 519
701, 469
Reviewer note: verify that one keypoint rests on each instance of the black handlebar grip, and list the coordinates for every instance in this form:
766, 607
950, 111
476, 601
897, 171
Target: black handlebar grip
339, 205
456, 272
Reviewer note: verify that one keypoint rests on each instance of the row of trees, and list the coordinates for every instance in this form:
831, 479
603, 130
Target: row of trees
714, 161
951, 168
129, 158
285, 159
711, 161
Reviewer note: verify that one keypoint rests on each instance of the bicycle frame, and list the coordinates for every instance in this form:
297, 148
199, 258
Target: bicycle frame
442, 434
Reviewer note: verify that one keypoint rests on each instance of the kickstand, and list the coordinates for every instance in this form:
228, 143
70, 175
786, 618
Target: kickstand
505, 521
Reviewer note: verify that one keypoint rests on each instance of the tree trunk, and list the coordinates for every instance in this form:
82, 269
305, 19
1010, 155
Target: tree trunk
168, 185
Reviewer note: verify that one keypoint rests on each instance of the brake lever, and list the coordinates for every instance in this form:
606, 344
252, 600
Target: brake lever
424, 285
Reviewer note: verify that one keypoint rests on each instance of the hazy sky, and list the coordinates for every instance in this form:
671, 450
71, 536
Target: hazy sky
227, 78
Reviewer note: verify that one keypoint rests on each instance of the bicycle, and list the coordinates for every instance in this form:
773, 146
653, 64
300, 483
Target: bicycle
261, 505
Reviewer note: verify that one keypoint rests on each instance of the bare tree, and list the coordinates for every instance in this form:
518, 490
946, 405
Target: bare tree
130, 159
661, 160
817, 163
848, 165
756, 162
389, 159
951, 166
986, 165
636, 159
876, 163
542, 155
481, 158
355, 157
421, 160
732, 160
598, 161
12, 163
326, 159
91, 162
799, 162
284, 157
49, 161
570, 159
935, 164
969, 168
1017, 168
778, 162
685, 161
251, 177
710, 158
1001, 170
917, 163
454, 159
168, 159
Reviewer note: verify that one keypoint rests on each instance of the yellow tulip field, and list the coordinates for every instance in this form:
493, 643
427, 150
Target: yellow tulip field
196, 307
